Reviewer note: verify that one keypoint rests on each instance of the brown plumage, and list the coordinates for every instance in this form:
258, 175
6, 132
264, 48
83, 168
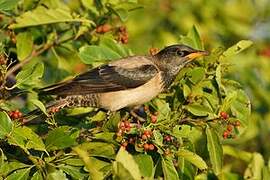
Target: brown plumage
125, 82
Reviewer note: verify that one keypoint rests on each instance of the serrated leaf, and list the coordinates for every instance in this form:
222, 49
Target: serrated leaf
24, 44
5, 125
168, 168
215, 150
42, 15
60, 138
26, 138
29, 75
192, 158
128, 163
237, 48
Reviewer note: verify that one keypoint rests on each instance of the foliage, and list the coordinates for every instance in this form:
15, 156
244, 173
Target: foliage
184, 131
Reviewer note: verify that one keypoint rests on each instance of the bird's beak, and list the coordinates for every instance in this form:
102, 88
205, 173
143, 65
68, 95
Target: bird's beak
197, 54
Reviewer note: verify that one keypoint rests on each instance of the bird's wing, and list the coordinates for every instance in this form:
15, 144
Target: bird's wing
106, 78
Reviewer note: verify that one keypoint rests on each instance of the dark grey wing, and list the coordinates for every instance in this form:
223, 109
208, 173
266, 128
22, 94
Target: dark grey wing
105, 78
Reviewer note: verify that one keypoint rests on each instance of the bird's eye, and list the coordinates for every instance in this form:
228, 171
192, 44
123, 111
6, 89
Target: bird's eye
182, 53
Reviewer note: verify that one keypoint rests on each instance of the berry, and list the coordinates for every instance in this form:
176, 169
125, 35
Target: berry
153, 118
122, 29
106, 28
229, 128
99, 29
168, 138
151, 147
224, 115
144, 137
146, 147
226, 134
237, 123
148, 133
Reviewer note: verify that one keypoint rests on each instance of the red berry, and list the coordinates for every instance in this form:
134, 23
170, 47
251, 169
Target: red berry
127, 124
99, 29
226, 134
151, 147
224, 115
229, 128
153, 118
148, 133
144, 137
122, 29
237, 123
146, 147
106, 28
168, 138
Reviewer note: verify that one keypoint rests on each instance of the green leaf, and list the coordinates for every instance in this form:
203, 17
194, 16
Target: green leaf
100, 149
128, 163
100, 116
37, 176
39, 104
122, 13
5, 125
56, 174
196, 75
145, 164
91, 54
6, 5
26, 138
168, 168
158, 138
163, 108
241, 108
192, 158
29, 75
182, 131
24, 44
194, 35
60, 138
215, 150
19, 174
227, 102
198, 110
74, 172
255, 167
42, 15
112, 44
95, 174
237, 48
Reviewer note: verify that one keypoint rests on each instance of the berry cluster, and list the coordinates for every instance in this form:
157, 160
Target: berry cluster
123, 35
103, 28
231, 127
15, 114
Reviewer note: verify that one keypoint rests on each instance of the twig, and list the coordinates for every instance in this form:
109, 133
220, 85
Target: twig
27, 59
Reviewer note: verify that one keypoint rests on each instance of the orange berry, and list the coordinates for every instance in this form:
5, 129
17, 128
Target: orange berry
229, 128
151, 147
144, 137
146, 147
106, 28
153, 118
224, 115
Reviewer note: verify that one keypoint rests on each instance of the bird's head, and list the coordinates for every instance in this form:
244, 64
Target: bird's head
175, 57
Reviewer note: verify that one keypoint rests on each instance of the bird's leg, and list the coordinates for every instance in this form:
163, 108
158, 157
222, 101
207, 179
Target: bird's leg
135, 115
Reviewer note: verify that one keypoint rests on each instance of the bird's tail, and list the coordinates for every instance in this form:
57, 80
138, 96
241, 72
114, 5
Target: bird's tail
38, 116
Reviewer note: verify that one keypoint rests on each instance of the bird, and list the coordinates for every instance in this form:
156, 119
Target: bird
126, 82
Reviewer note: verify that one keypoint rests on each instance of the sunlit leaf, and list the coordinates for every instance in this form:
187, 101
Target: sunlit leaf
168, 168
237, 48
215, 150
192, 158
5, 124
42, 15
24, 44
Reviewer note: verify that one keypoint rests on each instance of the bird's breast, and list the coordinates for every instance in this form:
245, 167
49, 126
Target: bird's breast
116, 100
